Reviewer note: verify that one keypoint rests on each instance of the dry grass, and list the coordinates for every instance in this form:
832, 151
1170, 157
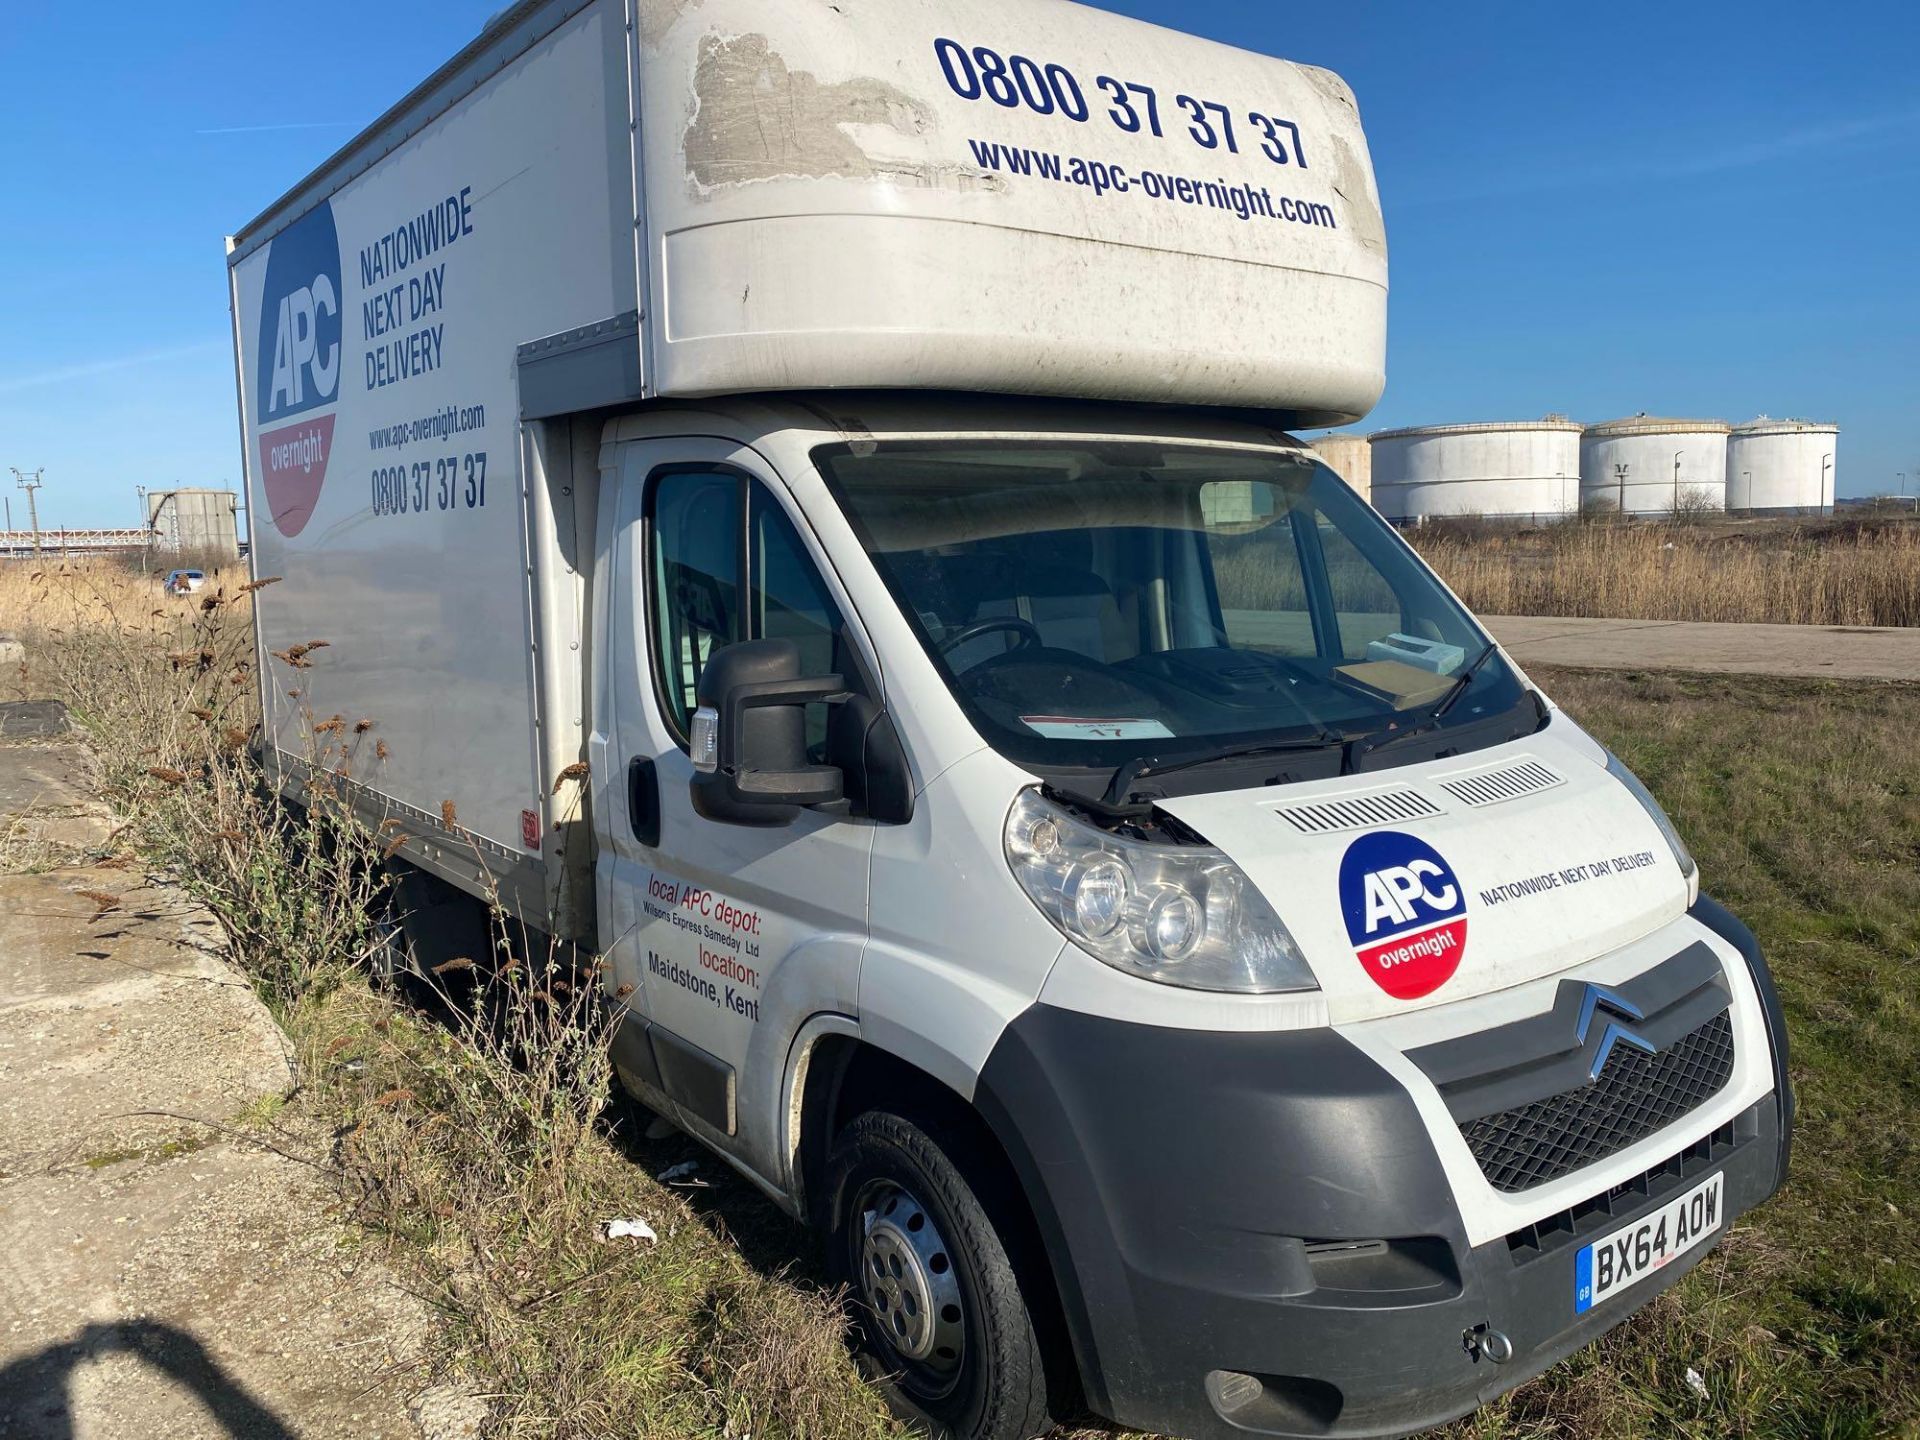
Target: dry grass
476, 1145
1813, 574
36, 595
475, 1139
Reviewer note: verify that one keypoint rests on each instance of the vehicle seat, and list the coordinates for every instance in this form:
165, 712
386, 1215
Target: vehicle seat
1073, 609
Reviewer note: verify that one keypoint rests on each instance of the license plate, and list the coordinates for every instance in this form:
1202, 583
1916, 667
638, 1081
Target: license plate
1630, 1254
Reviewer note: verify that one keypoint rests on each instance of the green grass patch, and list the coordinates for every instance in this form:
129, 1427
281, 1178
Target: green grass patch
1801, 800
165, 1150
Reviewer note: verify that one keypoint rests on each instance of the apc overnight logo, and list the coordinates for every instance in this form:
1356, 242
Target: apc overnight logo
298, 369
1406, 913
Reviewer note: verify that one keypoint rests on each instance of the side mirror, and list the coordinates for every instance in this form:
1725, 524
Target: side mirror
749, 740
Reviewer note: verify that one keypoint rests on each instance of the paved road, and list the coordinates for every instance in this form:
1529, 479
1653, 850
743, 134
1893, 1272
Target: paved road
1824, 651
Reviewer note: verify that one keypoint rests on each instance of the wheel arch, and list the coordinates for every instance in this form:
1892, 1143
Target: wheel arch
839, 1074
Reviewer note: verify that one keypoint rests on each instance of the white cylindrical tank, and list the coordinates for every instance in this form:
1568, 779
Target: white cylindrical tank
201, 524
1649, 465
1522, 469
1349, 456
1781, 467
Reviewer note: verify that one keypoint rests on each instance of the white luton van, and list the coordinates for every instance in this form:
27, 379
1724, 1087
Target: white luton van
800, 495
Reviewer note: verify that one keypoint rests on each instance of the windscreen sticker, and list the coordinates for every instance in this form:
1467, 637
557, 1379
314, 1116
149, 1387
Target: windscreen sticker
1406, 913
1072, 727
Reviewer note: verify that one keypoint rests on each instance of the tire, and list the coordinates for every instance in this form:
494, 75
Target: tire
911, 1240
425, 923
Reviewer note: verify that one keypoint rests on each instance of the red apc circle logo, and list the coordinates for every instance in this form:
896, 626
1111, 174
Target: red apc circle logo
1406, 913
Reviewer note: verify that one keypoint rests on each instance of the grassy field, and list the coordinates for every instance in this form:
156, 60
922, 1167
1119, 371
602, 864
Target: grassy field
1802, 801
479, 1145
1796, 573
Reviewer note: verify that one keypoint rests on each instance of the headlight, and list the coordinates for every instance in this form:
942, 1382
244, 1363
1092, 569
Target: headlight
1652, 806
1179, 914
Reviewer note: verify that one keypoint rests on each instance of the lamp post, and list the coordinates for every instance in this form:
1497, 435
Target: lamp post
1676, 482
30, 483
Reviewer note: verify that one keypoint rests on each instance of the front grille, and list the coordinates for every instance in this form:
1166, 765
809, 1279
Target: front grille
1579, 1222
1635, 1095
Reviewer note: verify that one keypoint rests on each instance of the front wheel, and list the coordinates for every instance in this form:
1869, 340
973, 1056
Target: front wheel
940, 1323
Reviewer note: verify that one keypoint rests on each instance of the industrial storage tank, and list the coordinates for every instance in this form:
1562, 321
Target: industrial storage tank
1518, 469
1781, 467
1651, 465
199, 524
1349, 456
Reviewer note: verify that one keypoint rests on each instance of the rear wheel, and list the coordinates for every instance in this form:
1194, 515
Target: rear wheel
430, 940
940, 1322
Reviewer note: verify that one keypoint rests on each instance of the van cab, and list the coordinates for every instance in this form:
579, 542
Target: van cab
1087, 862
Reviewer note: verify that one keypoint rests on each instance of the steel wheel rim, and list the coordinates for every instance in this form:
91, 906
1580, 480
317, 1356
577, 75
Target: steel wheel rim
910, 1286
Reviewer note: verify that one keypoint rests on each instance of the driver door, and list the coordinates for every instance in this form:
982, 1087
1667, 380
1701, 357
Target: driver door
725, 938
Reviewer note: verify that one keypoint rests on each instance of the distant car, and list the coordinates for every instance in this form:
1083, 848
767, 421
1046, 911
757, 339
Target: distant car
185, 582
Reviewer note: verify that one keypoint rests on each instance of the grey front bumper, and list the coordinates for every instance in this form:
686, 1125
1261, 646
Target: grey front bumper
1251, 1233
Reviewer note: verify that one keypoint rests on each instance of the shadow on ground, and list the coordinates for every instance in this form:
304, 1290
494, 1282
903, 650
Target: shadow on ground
37, 1386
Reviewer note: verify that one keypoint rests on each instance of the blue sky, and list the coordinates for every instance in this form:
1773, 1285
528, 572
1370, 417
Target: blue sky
1683, 208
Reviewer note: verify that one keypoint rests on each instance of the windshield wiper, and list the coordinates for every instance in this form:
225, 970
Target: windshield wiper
1142, 766
1462, 682
1460, 685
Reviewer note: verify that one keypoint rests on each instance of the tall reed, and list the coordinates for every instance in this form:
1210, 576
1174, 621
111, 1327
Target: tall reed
1815, 575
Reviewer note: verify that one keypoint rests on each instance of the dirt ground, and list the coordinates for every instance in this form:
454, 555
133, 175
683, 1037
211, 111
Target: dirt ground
170, 1263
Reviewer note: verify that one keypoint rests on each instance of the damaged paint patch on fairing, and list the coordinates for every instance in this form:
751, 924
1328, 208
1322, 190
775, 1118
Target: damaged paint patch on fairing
1325, 81
754, 119
1353, 184
1355, 187
658, 17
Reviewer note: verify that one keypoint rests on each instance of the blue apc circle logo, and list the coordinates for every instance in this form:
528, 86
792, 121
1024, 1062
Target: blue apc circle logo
298, 372
298, 368
1405, 910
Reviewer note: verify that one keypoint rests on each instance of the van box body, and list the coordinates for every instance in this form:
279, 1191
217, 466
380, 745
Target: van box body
727, 197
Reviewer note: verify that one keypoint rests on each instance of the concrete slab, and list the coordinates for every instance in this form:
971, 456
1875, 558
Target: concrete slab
1822, 651
196, 1296
44, 777
160, 1277
48, 815
31, 719
110, 1011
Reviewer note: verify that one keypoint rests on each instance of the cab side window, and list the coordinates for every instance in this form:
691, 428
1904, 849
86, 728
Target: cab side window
726, 564
788, 598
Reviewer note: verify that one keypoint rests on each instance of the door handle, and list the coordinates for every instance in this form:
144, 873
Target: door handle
643, 802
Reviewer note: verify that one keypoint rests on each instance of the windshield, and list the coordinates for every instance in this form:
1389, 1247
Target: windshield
1094, 603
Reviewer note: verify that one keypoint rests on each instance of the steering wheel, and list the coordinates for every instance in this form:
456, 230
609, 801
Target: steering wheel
1029, 636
